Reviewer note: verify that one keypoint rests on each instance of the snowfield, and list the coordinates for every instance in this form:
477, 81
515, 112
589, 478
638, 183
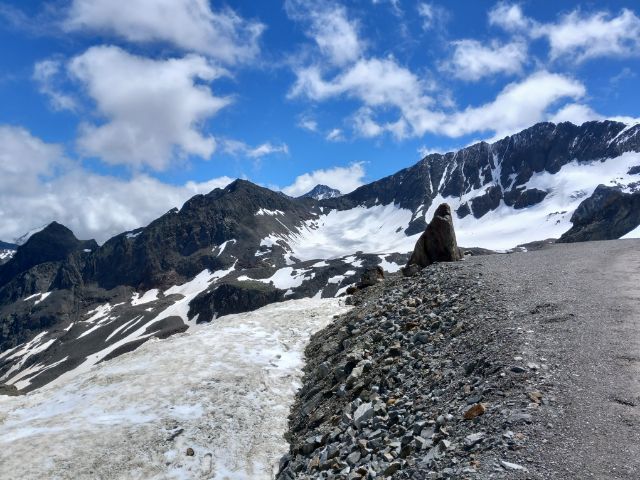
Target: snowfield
380, 229
223, 389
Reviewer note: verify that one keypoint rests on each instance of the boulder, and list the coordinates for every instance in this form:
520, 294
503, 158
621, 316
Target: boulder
371, 276
437, 243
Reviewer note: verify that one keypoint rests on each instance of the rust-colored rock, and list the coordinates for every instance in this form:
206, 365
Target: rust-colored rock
474, 411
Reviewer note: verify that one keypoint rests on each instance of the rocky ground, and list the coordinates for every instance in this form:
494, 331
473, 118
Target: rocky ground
504, 366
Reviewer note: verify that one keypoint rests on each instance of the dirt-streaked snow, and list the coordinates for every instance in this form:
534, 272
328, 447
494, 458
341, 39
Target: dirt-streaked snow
223, 389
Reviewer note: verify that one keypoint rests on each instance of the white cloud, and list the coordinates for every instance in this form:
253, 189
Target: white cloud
383, 85
189, 24
423, 151
345, 179
509, 16
335, 135
576, 36
45, 74
38, 185
575, 113
433, 16
581, 37
24, 159
153, 108
378, 83
517, 106
473, 60
236, 147
334, 33
308, 124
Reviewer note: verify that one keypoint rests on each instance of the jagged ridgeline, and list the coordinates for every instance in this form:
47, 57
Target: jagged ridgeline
67, 304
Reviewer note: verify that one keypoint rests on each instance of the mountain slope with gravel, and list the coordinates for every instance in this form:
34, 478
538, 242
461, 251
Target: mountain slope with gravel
503, 366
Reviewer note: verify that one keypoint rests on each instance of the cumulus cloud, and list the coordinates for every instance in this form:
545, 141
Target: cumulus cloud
473, 60
153, 109
384, 86
509, 16
190, 25
38, 185
46, 74
577, 36
236, 147
378, 83
329, 26
581, 37
575, 113
517, 106
345, 179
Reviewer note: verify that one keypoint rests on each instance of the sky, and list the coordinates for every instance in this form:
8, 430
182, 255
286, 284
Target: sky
112, 112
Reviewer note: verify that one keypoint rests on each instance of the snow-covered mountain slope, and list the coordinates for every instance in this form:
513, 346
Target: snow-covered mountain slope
7, 251
223, 389
66, 303
322, 192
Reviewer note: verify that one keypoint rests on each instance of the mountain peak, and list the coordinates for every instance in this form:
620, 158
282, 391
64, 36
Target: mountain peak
322, 192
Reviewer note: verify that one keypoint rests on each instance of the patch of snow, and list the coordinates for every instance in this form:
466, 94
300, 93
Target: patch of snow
387, 266
352, 260
7, 254
223, 389
42, 298
24, 238
222, 246
131, 235
635, 233
99, 312
273, 213
285, 278
147, 297
340, 233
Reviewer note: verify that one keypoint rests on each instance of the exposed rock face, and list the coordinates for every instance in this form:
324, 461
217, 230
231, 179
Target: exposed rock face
322, 192
438, 242
606, 215
233, 298
371, 276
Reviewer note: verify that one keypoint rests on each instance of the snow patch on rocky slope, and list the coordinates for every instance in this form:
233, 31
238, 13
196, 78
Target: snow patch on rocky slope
223, 389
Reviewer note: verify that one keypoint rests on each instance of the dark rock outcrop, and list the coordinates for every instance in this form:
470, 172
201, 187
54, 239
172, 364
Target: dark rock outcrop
233, 298
52, 244
606, 215
438, 242
321, 192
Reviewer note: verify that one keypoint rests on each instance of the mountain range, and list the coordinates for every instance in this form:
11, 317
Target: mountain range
67, 304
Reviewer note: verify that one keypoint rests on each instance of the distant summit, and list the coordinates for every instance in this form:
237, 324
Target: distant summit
322, 192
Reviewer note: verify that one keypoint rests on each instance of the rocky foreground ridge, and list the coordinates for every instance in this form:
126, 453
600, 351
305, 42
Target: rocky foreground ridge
421, 379
502, 366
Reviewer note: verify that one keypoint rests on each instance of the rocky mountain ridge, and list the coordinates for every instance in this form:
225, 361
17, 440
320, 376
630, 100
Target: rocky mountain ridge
67, 304
322, 192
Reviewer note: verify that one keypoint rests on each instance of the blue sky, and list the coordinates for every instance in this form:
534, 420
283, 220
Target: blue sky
114, 111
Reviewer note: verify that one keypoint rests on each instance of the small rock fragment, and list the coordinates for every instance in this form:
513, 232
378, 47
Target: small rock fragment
474, 411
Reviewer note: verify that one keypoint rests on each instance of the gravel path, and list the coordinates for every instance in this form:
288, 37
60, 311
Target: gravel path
520, 366
578, 307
